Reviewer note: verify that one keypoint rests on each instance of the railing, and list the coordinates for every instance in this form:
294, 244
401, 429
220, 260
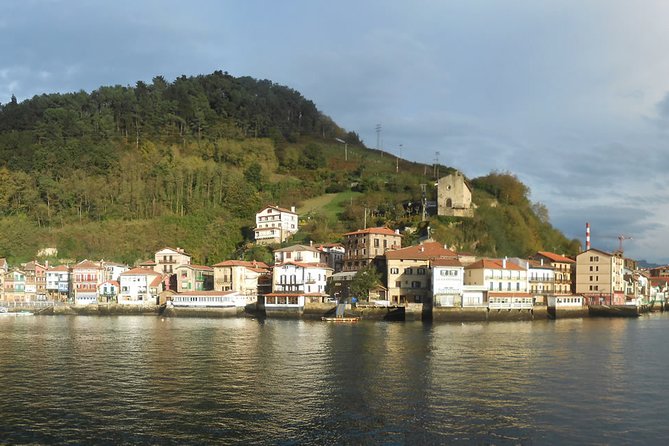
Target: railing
32, 304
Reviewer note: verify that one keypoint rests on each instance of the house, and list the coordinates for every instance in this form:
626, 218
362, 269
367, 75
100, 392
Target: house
275, 225
35, 281
300, 277
108, 291
194, 278
540, 277
299, 253
247, 278
86, 276
140, 286
447, 282
409, 275
167, 260
600, 277
58, 282
15, 286
454, 196
564, 270
210, 299
364, 246
334, 255
113, 270
497, 275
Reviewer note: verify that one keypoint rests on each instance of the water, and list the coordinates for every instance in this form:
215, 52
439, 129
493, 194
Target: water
148, 380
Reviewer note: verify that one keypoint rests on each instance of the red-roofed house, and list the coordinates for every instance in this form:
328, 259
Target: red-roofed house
140, 286
366, 245
194, 278
108, 291
409, 273
167, 260
506, 282
564, 270
58, 282
86, 276
275, 225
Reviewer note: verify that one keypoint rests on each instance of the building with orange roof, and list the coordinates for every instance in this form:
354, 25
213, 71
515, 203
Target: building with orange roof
600, 277
365, 246
498, 276
140, 286
86, 276
58, 282
194, 278
409, 271
299, 277
167, 259
275, 225
108, 291
564, 271
35, 280
248, 278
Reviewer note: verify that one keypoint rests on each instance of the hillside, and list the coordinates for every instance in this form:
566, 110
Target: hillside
121, 171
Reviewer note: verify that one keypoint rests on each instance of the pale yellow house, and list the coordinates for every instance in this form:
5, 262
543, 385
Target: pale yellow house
497, 276
247, 278
563, 267
167, 260
600, 277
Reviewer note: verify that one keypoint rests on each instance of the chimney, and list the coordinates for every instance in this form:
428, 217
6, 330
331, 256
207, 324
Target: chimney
587, 236
311, 243
542, 262
292, 209
397, 231
504, 263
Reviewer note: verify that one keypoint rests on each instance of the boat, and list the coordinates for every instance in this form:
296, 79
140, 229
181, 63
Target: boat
4, 310
340, 316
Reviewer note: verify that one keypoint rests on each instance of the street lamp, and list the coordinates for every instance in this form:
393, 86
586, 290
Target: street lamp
345, 147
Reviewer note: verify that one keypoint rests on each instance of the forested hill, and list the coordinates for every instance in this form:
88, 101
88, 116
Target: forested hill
121, 171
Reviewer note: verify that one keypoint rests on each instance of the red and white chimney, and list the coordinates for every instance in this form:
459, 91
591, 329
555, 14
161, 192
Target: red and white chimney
587, 236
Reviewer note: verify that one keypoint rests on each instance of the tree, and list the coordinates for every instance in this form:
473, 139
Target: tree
365, 280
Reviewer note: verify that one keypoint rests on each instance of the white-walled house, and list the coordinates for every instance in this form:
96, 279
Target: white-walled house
447, 282
297, 277
113, 270
108, 291
299, 253
140, 286
275, 224
58, 282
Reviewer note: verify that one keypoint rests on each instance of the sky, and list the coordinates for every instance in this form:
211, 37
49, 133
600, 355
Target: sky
570, 96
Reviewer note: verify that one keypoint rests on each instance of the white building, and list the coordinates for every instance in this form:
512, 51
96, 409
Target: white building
299, 253
447, 282
113, 270
275, 225
140, 286
297, 277
58, 282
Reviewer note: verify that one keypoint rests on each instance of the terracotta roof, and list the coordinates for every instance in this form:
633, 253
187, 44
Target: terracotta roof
86, 264
555, 257
424, 251
200, 267
63, 268
157, 280
536, 264
494, 264
294, 248
446, 262
111, 282
148, 262
244, 263
380, 231
140, 272
278, 209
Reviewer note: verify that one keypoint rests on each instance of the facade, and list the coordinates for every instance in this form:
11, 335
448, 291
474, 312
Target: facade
454, 196
168, 259
498, 276
303, 278
447, 282
275, 225
58, 282
600, 277
210, 299
15, 286
194, 278
140, 286
334, 255
540, 277
108, 291
364, 246
86, 276
113, 270
299, 253
564, 271
409, 274
246, 278
35, 281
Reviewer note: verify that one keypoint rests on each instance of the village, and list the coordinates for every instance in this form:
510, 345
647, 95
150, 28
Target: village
425, 278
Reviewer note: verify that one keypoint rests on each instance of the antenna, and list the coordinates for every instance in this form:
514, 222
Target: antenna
397, 161
378, 136
436, 165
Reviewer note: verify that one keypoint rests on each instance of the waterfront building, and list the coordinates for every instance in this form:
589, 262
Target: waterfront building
194, 278
365, 246
248, 278
300, 277
275, 225
409, 275
140, 286
447, 282
502, 278
86, 276
454, 196
168, 259
540, 277
564, 271
35, 281
600, 277
15, 285
210, 299
108, 291
58, 282
113, 270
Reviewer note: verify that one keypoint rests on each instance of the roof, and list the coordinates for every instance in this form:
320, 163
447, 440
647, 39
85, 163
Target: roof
344, 275
380, 231
536, 264
111, 282
297, 248
597, 250
140, 272
199, 267
555, 257
494, 264
446, 262
148, 262
424, 251
277, 208
59, 268
157, 280
245, 263
175, 250
86, 264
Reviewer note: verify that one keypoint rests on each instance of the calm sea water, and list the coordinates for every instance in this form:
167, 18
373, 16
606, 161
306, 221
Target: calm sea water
148, 380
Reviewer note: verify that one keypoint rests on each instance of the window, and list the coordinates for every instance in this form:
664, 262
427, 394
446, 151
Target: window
408, 271
415, 284
421, 271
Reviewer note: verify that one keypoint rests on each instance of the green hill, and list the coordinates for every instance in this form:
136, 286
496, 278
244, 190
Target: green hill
122, 171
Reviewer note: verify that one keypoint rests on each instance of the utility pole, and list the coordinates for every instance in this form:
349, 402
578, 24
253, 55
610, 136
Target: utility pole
397, 161
436, 166
378, 137
423, 202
